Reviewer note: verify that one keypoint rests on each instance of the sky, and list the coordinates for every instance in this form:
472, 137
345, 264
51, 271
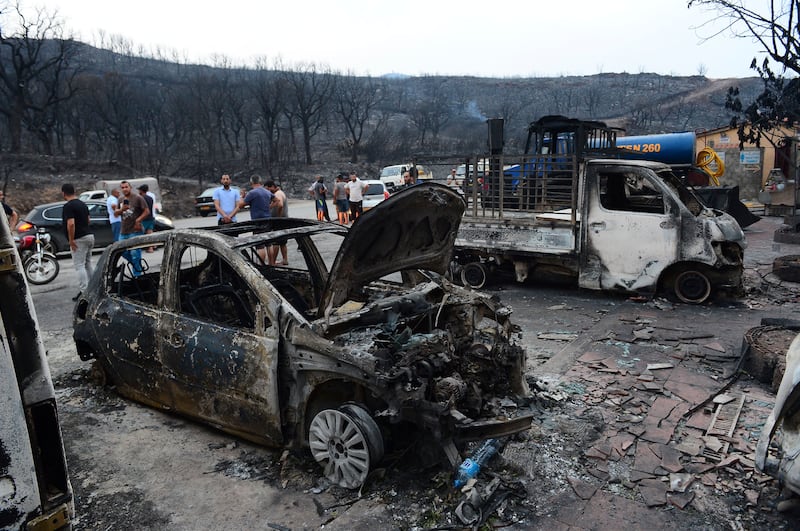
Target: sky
494, 38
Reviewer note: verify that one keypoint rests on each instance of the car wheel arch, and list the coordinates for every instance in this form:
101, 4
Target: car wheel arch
330, 394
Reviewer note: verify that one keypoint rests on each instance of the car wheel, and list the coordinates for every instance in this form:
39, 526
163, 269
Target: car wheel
474, 275
203, 214
343, 442
692, 286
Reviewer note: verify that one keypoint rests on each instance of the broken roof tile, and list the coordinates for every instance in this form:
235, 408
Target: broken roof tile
653, 491
716, 345
690, 446
680, 499
671, 459
591, 357
582, 489
659, 366
662, 407
691, 393
645, 459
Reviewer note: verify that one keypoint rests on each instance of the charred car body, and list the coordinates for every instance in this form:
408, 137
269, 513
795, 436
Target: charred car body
786, 417
333, 352
35, 491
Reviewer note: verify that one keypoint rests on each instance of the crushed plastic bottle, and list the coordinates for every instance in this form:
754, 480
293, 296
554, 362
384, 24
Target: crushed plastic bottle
472, 464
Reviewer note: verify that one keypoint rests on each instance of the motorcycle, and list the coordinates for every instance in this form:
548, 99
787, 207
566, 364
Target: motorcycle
38, 261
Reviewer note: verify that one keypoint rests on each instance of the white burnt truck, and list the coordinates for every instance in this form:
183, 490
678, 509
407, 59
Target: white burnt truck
571, 206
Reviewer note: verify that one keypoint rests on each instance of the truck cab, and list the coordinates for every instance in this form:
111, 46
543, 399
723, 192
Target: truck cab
642, 229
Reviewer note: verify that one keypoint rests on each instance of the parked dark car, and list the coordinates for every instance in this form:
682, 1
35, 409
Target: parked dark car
49, 217
204, 203
358, 343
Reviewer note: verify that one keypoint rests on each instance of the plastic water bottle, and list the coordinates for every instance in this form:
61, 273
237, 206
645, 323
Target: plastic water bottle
472, 464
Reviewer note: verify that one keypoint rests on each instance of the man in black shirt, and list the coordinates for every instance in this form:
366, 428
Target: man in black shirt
75, 218
10, 212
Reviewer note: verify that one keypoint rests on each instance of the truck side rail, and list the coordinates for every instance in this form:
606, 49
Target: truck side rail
536, 188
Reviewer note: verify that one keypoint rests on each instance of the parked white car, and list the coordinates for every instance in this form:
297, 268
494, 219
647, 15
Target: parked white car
89, 195
376, 193
392, 176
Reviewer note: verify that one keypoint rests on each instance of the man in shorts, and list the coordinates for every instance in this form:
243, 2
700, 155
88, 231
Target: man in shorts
340, 199
355, 195
279, 208
259, 199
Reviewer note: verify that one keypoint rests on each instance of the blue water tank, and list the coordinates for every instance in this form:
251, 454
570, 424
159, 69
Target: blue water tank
669, 148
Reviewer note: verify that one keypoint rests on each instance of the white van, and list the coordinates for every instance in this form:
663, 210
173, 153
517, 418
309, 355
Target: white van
392, 176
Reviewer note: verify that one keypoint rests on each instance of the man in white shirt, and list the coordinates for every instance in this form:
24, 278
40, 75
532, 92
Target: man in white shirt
112, 202
355, 195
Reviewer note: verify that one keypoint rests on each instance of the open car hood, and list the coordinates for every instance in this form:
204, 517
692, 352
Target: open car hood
413, 229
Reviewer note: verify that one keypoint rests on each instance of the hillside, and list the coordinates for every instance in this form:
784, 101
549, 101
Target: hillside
164, 118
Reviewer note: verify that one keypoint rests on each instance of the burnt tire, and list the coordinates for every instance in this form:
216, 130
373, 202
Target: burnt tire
787, 268
474, 275
691, 286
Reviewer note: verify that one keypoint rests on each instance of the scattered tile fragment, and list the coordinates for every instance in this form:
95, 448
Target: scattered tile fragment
715, 346
591, 357
645, 459
658, 366
728, 461
582, 489
751, 496
709, 479
595, 453
690, 446
712, 443
723, 399
670, 459
653, 491
680, 499
602, 475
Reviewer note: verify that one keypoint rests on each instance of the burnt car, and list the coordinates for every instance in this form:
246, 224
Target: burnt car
355, 342
784, 419
48, 216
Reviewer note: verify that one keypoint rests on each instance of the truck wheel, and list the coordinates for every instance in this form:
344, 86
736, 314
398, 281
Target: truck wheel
474, 275
692, 286
344, 442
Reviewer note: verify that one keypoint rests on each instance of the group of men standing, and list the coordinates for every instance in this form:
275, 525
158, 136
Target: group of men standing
133, 214
348, 196
265, 200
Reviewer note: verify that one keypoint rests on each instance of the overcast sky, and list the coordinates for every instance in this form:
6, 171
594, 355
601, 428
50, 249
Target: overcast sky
446, 37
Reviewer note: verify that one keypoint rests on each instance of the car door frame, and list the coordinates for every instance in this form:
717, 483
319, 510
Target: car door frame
226, 377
